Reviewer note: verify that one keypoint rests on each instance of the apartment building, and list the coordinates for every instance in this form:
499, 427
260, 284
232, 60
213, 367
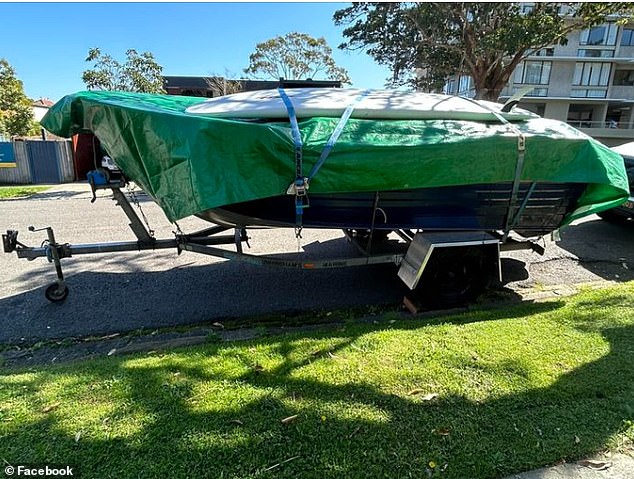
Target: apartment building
589, 82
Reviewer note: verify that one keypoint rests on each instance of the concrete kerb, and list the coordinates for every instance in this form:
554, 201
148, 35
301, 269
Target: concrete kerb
609, 466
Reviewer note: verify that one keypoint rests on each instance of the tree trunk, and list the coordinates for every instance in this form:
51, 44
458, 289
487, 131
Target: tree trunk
490, 87
492, 94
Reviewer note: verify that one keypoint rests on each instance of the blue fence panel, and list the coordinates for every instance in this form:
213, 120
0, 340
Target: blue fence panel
43, 160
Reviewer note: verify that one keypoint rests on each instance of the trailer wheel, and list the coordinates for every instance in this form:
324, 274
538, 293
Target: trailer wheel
56, 295
612, 217
454, 276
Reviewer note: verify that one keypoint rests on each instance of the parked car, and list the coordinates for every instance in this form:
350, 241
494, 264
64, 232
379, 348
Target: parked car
625, 212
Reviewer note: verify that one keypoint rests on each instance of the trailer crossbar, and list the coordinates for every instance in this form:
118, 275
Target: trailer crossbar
290, 263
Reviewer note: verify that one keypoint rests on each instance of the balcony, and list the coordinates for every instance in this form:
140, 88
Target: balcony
622, 92
612, 125
605, 131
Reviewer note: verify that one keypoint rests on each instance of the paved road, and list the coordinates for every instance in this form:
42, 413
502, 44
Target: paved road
123, 292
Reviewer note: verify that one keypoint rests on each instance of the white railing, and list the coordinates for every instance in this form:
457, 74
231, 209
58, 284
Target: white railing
598, 124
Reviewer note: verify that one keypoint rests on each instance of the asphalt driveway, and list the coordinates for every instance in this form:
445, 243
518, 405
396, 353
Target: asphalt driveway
128, 291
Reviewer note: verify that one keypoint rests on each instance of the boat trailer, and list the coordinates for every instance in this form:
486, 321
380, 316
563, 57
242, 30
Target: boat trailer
472, 254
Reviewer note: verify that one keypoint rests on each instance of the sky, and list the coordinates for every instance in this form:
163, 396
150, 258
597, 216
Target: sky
47, 43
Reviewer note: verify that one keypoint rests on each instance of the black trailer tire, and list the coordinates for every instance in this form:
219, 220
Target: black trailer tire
54, 294
612, 217
454, 276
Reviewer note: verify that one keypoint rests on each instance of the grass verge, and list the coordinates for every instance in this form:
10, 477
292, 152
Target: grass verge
8, 192
478, 395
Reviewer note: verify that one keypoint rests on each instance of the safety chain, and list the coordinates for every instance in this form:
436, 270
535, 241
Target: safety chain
135, 200
179, 231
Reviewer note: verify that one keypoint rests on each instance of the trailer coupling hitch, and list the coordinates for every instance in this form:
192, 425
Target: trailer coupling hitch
54, 251
11, 244
10, 241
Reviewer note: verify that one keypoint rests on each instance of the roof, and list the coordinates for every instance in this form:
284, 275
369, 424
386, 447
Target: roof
190, 84
43, 103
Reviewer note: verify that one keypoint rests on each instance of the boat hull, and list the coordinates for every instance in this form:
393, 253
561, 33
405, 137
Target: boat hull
481, 207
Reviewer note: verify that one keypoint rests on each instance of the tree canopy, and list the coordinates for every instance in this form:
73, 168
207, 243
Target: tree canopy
295, 56
425, 43
16, 114
138, 73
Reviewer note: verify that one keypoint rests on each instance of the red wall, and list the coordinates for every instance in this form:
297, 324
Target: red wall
87, 150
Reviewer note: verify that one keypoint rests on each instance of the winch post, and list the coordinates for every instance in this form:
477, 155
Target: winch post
135, 222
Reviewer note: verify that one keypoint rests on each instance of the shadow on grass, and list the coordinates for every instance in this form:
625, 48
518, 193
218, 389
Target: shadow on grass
380, 434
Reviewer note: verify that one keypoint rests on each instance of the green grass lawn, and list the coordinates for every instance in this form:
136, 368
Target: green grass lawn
7, 192
476, 395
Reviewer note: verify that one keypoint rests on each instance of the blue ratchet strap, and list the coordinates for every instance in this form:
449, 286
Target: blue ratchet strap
299, 186
335, 135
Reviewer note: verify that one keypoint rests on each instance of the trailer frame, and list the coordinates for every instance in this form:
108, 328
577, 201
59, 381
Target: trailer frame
206, 241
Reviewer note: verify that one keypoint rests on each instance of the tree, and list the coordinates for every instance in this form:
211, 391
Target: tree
16, 114
424, 43
295, 56
224, 85
139, 73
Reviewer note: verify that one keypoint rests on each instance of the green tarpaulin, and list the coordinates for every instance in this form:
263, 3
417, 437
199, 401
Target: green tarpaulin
189, 163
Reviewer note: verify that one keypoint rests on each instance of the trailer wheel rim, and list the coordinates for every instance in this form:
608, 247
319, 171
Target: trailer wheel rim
456, 277
55, 294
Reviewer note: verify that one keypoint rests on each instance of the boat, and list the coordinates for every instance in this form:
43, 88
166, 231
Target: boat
457, 180
377, 159
625, 212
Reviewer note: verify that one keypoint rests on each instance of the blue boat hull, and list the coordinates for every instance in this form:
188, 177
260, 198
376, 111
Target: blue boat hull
452, 208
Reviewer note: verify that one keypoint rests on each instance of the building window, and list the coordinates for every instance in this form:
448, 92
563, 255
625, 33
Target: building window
461, 86
624, 78
465, 85
545, 52
591, 74
538, 108
533, 92
450, 87
588, 93
533, 73
586, 52
627, 39
601, 35
580, 115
